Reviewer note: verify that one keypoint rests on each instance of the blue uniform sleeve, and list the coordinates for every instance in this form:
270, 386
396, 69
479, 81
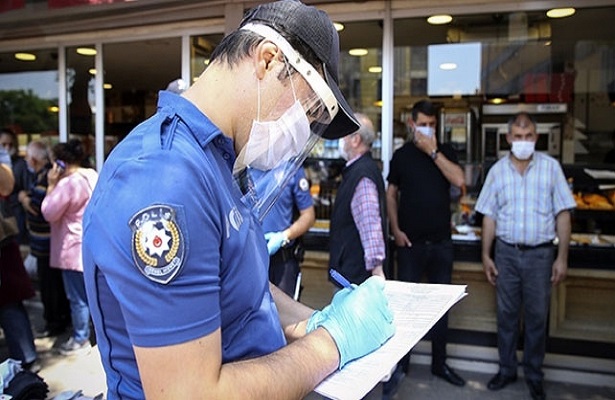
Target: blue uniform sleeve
301, 191
165, 280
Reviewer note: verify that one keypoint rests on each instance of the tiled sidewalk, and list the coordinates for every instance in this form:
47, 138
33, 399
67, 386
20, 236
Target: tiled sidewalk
66, 375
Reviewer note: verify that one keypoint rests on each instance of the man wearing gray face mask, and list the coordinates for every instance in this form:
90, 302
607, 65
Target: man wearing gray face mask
525, 202
418, 204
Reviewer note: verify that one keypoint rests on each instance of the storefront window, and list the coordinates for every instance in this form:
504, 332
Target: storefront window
29, 94
561, 68
80, 99
201, 48
134, 74
360, 77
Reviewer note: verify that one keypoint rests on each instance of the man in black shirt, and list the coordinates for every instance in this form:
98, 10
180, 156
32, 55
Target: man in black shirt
418, 202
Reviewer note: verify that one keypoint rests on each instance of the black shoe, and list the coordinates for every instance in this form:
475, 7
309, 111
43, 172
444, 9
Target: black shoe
389, 388
536, 390
33, 366
449, 375
500, 381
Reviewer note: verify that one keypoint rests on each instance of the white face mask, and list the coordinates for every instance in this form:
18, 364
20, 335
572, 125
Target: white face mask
425, 130
522, 149
273, 141
341, 149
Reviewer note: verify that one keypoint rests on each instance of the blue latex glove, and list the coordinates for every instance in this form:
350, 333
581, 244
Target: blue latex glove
275, 240
358, 319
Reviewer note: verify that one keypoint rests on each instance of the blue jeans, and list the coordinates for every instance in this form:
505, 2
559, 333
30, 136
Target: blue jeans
523, 287
18, 332
74, 285
435, 262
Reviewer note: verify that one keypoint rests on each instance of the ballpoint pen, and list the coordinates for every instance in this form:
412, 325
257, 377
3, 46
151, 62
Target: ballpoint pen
337, 277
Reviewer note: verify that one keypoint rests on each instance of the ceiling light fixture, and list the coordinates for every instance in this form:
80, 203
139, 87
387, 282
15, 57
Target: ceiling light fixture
440, 19
357, 52
86, 51
375, 69
92, 71
560, 12
25, 56
338, 26
107, 86
448, 66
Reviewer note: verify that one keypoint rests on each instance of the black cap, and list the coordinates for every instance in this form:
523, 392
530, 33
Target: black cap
314, 28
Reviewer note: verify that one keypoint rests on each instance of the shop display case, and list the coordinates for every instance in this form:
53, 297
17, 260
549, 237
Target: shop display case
324, 176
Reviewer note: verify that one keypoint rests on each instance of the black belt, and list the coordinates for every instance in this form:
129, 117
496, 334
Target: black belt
523, 247
430, 242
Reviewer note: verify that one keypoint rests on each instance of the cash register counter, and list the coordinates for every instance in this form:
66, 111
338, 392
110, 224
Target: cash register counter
582, 315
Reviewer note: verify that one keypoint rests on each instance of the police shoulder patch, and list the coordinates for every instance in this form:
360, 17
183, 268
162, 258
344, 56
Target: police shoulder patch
158, 243
304, 184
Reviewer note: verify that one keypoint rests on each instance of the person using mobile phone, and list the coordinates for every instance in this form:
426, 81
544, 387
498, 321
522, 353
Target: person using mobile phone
69, 190
60, 165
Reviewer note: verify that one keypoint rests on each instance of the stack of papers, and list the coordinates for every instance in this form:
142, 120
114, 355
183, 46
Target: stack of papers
416, 308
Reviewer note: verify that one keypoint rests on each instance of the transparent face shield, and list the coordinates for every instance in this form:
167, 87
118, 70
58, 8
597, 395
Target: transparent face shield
279, 145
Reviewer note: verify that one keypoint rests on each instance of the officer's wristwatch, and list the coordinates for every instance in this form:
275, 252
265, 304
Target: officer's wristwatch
434, 154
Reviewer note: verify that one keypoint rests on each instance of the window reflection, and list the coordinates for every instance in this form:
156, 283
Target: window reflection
525, 58
80, 100
136, 72
360, 77
201, 48
29, 95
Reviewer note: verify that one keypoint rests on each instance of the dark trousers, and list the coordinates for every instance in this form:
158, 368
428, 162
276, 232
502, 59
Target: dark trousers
433, 260
56, 310
284, 270
523, 287
15, 323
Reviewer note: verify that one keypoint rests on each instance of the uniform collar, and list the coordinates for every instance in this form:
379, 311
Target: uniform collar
199, 124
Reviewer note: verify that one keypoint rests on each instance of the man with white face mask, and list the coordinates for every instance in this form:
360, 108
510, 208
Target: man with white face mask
358, 220
526, 204
418, 203
175, 257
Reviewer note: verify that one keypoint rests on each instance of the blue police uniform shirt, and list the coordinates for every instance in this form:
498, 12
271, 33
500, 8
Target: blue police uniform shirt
170, 252
296, 193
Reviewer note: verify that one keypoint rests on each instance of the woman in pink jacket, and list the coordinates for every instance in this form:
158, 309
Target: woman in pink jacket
68, 193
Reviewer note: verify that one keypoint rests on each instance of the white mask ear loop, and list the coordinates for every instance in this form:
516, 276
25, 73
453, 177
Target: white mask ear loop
258, 94
258, 101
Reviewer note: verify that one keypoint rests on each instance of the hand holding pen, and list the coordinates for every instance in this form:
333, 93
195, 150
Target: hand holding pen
358, 319
339, 278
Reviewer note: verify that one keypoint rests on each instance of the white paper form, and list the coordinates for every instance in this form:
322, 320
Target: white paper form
416, 308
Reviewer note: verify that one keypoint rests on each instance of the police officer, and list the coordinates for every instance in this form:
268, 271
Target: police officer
282, 233
174, 252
